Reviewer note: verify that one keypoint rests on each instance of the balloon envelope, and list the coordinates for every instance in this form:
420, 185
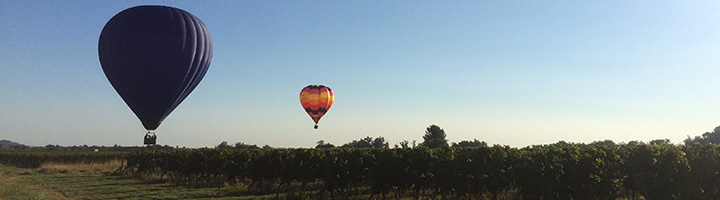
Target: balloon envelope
154, 56
316, 100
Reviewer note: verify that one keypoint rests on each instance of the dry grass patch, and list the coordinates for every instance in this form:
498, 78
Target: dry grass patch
14, 185
53, 167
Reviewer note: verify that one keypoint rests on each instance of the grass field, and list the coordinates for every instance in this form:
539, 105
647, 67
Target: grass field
97, 181
83, 181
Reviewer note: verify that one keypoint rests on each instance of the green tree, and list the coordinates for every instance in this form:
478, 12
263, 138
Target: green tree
241, 145
660, 141
434, 137
608, 143
561, 143
632, 143
379, 142
656, 171
707, 137
403, 144
321, 144
367, 142
713, 137
690, 141
223, 145
467, 143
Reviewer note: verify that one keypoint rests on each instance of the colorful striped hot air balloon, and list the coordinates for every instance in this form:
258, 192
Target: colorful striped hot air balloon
316, 100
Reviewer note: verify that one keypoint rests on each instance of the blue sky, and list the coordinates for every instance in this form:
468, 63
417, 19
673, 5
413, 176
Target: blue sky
506, 72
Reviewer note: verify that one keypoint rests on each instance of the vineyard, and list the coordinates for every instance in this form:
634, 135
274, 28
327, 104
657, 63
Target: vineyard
497, 172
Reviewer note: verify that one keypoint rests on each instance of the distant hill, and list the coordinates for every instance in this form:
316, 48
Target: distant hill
8, 143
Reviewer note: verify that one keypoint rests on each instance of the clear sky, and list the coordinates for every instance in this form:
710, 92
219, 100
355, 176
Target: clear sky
515, 73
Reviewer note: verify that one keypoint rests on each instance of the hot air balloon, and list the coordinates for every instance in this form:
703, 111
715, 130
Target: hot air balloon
154, 56
316, 100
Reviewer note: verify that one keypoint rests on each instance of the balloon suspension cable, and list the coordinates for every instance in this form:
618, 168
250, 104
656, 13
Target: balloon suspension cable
316, 126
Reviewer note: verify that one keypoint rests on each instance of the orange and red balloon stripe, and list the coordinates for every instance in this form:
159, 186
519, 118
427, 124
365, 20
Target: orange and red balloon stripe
316, 99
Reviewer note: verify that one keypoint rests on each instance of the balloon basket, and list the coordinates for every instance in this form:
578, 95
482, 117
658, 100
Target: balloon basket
316, 126
150, 138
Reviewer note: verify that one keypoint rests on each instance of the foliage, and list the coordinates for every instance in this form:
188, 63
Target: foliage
322, 144
367, 142
603, 143
573, 171
434, 137
239, 145
466, 143
707, 137
568, 171
656, 171
660, 141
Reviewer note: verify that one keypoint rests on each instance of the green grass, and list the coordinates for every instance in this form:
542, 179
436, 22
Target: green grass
75, 181
18, 183
13, 187
63, 182
10, 190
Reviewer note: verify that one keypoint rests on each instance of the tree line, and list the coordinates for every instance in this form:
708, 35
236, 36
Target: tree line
599, 170
434, 138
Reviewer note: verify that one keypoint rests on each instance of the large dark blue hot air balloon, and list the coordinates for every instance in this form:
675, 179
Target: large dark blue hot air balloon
154, 56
